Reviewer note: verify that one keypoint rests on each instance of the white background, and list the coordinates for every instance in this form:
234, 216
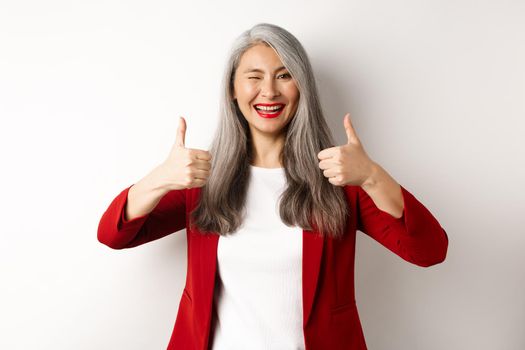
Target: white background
90, 93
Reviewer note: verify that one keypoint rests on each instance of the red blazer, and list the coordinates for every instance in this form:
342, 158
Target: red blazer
330, 315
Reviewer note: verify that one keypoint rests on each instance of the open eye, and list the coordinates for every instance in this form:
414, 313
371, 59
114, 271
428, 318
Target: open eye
286, 74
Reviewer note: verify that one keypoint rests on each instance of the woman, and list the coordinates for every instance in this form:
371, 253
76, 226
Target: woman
271, 212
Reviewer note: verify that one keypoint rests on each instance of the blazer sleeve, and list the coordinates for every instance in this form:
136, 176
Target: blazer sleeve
416, 236
167, 217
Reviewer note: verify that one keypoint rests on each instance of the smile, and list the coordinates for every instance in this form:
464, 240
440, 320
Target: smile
269, 110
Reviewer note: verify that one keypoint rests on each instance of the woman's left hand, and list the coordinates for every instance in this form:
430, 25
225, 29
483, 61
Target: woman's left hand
347, 164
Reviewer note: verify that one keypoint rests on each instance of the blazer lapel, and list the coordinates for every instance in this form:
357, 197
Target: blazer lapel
311, 264
312, 254
208, 256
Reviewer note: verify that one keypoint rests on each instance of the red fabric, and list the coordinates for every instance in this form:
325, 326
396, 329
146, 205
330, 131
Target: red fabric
330, 318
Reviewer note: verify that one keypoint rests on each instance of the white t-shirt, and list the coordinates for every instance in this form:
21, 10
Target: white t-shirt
257, 302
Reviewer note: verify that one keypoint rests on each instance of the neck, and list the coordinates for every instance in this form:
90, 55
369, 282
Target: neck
267, 151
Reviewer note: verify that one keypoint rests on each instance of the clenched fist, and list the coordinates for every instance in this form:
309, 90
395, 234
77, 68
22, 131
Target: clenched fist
348, 164
184, 167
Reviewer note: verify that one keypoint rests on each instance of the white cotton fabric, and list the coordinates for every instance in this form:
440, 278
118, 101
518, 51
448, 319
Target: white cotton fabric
258, 294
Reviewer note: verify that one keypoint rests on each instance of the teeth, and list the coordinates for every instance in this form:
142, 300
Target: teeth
264, 108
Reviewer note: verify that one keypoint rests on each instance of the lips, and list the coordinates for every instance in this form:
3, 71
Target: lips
269, 114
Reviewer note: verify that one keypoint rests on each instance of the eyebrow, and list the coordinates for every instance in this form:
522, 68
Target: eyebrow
251, 70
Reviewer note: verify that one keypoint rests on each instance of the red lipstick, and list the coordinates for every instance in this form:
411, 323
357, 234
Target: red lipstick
269, 113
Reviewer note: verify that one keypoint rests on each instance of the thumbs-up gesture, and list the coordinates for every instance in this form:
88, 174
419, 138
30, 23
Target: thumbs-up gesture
184, 167
347, 164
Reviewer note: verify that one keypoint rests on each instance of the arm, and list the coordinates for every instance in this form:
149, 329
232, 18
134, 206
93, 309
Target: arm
142, 213
386, 211
416, 236
384, 191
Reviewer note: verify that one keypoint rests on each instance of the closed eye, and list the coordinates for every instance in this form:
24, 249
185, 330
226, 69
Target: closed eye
286, 75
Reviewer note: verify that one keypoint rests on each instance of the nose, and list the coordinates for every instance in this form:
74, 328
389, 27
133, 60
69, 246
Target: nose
268, 89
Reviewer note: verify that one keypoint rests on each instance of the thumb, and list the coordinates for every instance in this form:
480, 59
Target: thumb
181, 133
350, 132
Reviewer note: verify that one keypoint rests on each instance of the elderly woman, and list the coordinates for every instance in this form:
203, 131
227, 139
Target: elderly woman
271, 212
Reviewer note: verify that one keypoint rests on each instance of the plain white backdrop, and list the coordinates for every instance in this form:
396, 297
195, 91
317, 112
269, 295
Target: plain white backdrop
90, 93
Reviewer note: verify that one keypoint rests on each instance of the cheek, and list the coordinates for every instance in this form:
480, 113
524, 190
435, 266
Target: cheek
294, 99
293, 94
246, 92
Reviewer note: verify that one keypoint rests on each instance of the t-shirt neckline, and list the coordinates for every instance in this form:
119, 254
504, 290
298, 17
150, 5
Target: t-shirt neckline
261, 169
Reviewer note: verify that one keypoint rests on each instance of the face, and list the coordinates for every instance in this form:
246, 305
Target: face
261, 78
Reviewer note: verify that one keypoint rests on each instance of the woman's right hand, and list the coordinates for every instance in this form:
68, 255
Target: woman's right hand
184, 167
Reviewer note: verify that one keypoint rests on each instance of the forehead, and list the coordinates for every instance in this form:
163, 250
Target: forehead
261, 57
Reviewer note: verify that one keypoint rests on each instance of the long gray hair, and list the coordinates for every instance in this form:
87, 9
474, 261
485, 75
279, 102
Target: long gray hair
309, 200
